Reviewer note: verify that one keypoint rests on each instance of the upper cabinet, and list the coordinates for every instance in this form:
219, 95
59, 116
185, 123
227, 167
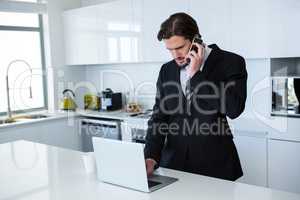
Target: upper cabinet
253, 29
125, 31
213, 18
122, 31
117, 33
99, 34
249, 28
150, 15
80, 35
284, 28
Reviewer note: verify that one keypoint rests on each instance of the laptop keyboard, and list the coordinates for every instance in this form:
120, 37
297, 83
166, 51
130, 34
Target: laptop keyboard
152, 183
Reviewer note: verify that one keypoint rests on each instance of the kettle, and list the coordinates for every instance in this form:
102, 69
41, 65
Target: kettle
68, 102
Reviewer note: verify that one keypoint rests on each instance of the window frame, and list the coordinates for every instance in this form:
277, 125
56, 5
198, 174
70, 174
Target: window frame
40, 30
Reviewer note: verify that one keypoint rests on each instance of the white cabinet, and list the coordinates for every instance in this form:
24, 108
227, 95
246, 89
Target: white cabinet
253, 29
122, 31
265, 28
56, 132
62, 133
213, 18
125, 31
252, 151
101, 34
81, 36
249, 28
118, 35
284, 165
150, 15
284, 28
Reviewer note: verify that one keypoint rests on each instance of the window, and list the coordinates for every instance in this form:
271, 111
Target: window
22, 54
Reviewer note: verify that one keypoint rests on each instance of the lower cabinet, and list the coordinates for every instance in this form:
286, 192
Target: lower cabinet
284, 165
61, 132
253, 156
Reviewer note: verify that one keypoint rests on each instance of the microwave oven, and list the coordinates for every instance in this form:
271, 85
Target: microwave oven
286, 96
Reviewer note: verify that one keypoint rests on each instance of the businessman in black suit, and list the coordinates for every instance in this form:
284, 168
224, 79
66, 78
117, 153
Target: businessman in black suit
196, 91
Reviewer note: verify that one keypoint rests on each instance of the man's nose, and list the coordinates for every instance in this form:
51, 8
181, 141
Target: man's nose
175, 53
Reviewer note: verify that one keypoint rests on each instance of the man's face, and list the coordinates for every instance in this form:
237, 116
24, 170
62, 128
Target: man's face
178, 47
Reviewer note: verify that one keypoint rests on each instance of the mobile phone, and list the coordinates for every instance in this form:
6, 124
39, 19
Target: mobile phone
196, 39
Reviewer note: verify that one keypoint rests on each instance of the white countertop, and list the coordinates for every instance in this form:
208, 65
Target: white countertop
118, 114
35, 171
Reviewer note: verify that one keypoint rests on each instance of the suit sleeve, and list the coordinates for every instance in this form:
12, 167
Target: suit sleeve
155, 138
232, 89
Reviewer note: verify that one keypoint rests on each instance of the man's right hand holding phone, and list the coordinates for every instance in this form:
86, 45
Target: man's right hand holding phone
196, 57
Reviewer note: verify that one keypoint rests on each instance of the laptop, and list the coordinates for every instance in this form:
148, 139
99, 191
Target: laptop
122, 163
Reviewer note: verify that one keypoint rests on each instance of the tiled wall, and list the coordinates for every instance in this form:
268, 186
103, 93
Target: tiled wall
137, 82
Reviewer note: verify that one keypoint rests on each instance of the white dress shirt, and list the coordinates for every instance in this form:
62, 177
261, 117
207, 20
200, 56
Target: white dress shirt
184, 77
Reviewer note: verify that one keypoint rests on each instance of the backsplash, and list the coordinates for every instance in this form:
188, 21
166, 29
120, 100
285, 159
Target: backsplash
137, 82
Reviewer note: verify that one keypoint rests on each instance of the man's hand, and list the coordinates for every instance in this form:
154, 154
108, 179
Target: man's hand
150, 163
196, 60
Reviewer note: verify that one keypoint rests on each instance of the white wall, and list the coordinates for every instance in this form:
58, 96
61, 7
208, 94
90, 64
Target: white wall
54, 47
137, 79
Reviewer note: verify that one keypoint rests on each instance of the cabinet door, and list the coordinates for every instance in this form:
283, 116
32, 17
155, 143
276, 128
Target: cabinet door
153, 14
80, 34
284, 31
284, 165
253, 156
249, 28
118, 36
213, 18
62, 133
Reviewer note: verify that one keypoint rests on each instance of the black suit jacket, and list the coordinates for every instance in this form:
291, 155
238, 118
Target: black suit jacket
198, 139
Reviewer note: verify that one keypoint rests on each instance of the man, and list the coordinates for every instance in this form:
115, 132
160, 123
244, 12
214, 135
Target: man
196, 91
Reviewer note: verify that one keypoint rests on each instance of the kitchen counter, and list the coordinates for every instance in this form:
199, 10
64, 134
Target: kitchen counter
143, 122
118, 114
35, 171
50, 116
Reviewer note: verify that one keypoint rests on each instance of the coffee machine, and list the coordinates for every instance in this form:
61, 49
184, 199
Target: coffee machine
111, 100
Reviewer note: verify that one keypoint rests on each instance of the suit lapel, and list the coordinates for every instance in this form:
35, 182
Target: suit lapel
208, 66
211, 60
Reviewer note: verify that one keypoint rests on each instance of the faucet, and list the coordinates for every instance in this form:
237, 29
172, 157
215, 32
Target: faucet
9, 112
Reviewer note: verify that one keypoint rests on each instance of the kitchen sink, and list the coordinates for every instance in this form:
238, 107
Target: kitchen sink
36, 116
7, 121
23, 117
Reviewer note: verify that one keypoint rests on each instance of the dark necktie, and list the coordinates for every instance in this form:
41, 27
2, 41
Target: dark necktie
188, 95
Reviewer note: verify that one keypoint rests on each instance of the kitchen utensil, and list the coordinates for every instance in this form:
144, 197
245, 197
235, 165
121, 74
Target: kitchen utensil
68, 102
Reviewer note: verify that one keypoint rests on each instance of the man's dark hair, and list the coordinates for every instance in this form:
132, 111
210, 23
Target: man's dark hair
179, 24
